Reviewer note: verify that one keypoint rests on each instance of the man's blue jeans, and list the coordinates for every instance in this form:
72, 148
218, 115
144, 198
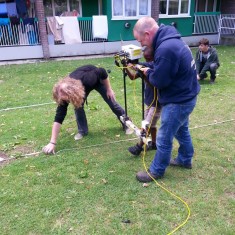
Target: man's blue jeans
174, 123
81, 115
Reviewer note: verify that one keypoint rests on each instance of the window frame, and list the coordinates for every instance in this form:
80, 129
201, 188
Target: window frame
68, 7
179, 15
206, 6
123, 17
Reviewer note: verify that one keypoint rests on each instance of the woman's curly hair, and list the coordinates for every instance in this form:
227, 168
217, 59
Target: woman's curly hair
72, 88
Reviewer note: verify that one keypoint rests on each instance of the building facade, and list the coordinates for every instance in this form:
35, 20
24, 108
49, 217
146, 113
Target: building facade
29, 29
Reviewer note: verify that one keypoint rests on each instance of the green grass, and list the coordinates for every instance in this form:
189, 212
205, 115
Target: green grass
89, 186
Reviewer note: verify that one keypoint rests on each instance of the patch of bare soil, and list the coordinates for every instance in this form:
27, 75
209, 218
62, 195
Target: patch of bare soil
4, 159
230, 194
18, 153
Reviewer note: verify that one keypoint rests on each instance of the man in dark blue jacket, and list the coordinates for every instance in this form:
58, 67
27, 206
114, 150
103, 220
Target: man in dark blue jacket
174, 74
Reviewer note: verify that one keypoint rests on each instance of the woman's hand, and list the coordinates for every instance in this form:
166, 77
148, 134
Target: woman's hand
49, 149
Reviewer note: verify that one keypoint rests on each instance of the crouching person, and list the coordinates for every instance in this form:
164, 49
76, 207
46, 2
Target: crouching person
206, 60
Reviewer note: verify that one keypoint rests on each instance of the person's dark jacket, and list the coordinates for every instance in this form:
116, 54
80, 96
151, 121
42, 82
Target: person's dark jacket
212, 57
173, 71
90, 77
150, 94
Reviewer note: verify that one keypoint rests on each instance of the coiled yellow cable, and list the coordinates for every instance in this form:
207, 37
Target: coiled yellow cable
162, 187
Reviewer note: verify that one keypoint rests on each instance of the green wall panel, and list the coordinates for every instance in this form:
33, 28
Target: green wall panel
90, 9
183, 25
117, 30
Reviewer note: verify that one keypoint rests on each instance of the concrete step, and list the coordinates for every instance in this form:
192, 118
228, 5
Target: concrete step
227, 40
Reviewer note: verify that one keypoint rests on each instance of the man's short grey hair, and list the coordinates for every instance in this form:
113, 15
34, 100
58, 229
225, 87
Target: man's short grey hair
144, 24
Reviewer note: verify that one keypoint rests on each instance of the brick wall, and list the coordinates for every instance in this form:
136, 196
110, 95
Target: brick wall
155, 9
42, 28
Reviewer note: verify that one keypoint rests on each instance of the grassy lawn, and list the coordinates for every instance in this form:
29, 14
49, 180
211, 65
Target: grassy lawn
89, 186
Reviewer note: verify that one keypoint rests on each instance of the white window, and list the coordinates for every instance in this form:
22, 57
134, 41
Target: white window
205, 5
130, 9
58, 7
174, 8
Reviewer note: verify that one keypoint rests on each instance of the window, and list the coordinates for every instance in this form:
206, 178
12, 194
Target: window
143, 7
174, 8
60, 7
126, 9
48, 7
57, 7
184, 7
75, 5
205, 5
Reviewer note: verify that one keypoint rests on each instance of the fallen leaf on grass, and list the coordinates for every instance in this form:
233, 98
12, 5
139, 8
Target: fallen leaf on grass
80, 182
83, 174
104, 181
4, 175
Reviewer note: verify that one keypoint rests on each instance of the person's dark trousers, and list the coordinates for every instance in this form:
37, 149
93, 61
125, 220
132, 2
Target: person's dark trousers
81, 120
114, 106
213, 68
81, 115
204, 75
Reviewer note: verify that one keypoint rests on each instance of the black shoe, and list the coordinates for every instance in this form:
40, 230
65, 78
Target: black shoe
144, 177
173, 162
151, 146
203, 77
212, 81
135, 150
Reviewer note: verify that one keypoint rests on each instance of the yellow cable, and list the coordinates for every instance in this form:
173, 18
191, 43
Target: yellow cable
134, 95
162, 187
154, 99
172, 194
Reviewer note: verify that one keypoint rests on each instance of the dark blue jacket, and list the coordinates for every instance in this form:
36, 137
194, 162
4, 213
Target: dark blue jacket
173, 71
